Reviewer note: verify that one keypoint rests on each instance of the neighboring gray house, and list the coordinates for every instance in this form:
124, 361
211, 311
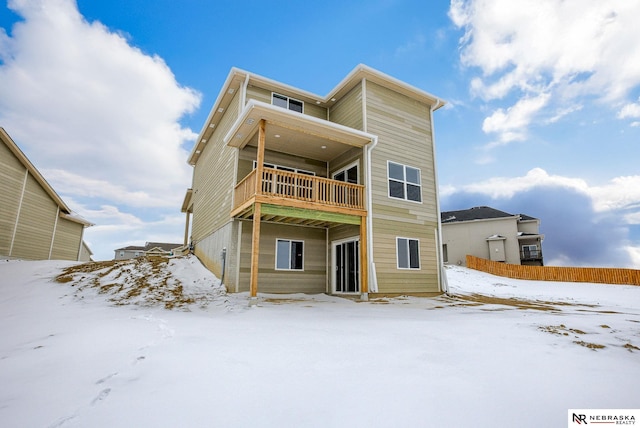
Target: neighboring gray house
491, 234
35, 223
149, 249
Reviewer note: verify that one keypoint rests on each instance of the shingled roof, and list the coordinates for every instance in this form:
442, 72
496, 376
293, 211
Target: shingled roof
477, 213
151, 245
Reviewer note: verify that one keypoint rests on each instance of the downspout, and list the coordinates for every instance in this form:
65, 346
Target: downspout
442, 276
223, 255
373, 279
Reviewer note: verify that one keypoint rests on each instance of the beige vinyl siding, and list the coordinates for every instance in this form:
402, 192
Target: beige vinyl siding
67, 241
347, 159
314, 277
209, 251
35, 227
343, 231
264, 95
348, 110
258, 94
470, 237
213, 179
12, 174
85, 253
394, 280
404, 136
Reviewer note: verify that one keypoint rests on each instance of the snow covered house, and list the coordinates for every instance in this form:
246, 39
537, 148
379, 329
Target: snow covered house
35, 223
298, 192
491, 234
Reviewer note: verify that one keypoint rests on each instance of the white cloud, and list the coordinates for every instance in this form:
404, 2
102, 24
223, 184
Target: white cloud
620, 193
562, 49
634, 254
99, 115
116, 228
511, 125
630, 110
68, 183
507, 187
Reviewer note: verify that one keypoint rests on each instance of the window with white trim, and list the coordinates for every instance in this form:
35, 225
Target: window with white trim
408, 253
529, 251
404, 182
284, 168
286, 102
289, 254
348, 174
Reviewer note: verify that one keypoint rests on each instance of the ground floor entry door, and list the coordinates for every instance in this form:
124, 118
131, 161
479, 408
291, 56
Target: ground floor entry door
346, 266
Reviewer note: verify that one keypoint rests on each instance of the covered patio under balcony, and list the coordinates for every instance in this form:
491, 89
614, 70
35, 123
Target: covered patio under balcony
268, 194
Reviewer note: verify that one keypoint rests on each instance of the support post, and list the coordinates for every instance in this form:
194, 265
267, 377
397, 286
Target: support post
186, 229
257, 212
255, 250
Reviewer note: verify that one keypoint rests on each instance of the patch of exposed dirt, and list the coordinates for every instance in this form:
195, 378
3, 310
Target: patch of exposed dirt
479, 299
594, 346
561, 330
143, 281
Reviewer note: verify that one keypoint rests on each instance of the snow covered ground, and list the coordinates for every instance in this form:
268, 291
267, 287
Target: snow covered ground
103, 349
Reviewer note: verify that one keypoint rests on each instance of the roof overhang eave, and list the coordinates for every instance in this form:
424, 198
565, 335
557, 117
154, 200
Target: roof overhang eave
246, 124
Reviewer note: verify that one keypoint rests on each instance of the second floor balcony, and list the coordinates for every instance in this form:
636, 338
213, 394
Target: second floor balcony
527, 254
298, 190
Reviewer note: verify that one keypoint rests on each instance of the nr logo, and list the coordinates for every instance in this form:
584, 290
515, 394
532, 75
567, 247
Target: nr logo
580, 419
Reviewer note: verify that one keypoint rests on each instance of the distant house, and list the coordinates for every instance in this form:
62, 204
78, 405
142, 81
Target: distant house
335, 193
35, 223
491, 234
149, 249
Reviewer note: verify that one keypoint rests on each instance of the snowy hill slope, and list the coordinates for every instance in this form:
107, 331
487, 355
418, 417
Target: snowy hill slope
161, 345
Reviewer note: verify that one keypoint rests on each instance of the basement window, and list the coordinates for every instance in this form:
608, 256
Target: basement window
289, 254
408, 253
287, 102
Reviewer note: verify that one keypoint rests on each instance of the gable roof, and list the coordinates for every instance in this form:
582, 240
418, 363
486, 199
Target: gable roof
162, 245
525, 217
131, 248
479, 213
475, 213
65, 211
238, 77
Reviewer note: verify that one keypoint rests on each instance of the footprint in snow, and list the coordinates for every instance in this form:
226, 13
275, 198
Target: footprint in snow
106, 378
101, 396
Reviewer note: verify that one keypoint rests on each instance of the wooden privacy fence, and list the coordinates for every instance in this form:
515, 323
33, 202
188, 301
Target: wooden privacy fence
555, 273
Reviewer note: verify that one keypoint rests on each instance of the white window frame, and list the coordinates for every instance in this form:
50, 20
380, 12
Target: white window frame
284, 168
355, 163
408, 249
288, 100
404, 182
289, 261
533, 249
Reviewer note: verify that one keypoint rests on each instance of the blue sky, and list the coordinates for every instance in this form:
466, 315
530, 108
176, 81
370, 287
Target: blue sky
543, 114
